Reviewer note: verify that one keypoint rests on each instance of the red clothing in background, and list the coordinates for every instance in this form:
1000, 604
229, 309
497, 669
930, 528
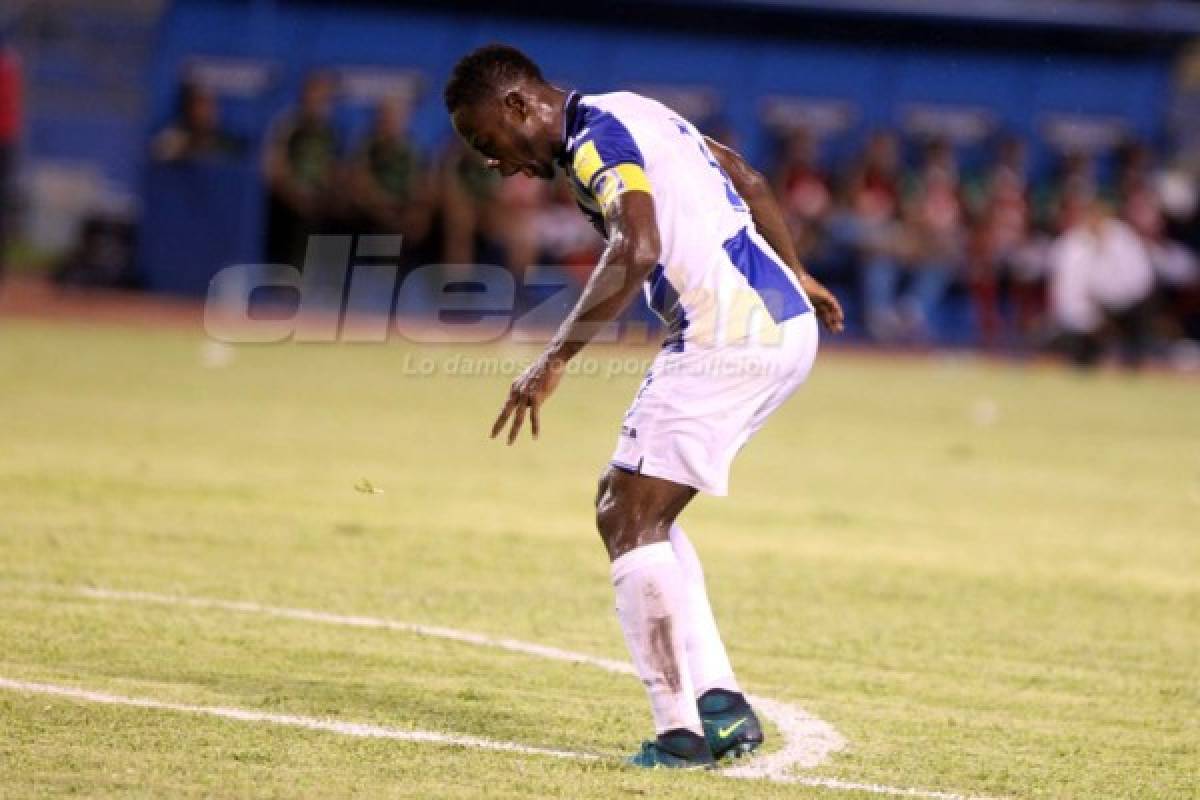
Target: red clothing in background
10, 96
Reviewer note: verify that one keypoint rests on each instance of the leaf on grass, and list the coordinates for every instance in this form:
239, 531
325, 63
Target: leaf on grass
366, 487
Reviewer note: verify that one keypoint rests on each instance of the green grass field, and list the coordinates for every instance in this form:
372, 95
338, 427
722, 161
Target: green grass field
987, 579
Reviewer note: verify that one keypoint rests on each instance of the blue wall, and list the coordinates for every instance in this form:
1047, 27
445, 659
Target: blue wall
878, 81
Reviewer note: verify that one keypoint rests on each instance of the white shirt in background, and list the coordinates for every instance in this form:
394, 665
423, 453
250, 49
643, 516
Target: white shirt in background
1097, 270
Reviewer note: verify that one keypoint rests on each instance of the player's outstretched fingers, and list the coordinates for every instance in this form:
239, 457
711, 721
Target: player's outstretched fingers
534, 424
509, 405
518, 420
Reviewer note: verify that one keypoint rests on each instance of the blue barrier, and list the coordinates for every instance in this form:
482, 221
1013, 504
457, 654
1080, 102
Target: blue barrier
877, 82
199, 217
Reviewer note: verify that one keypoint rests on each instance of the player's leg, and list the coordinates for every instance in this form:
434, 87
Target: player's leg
730, 724
707, 659
634, 514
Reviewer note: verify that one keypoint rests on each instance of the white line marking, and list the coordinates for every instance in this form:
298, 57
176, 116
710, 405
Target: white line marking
308, 615
425, 737
808, 741
312, 723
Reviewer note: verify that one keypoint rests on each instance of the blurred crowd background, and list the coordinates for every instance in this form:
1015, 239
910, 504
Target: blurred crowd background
1022, 180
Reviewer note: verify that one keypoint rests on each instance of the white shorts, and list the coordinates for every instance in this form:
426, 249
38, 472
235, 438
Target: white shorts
696, 409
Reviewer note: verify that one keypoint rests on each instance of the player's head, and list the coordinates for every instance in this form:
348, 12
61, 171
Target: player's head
502, 107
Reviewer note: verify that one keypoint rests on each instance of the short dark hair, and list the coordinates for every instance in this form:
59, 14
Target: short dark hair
480, 73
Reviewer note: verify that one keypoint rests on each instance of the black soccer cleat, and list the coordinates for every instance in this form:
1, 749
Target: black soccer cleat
676, 749
730, 724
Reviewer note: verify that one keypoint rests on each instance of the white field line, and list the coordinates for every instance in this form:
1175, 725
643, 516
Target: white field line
808, 741
291, 720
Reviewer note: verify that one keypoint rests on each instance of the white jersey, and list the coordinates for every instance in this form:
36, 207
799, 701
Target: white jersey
718, 282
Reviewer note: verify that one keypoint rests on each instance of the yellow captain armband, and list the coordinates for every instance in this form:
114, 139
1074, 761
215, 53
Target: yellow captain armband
614, 181
587, 163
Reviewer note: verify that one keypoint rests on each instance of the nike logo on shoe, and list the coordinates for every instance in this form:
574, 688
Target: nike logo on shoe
724, 732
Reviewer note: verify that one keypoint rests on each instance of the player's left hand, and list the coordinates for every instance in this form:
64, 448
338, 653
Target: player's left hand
527, 394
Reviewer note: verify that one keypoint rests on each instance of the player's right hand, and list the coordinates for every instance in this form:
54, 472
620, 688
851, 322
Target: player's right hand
828, 309
527, 394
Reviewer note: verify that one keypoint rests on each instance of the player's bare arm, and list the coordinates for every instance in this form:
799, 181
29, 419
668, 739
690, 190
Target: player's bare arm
756, 191
632, 252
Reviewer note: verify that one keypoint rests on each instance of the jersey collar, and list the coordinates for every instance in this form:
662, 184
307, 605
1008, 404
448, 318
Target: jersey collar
572, 118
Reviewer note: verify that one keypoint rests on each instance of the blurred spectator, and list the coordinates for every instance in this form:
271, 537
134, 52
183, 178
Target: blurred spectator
912, 245
300, 168
196, 131
1134, 161
1175, 267
934, 218
1000, 244
804, 192
515, 218
1101, 278
389, 189
103, 256
565, 237
871, 227
464, 194
1178, 188
468, 191
10, 132
1064, 201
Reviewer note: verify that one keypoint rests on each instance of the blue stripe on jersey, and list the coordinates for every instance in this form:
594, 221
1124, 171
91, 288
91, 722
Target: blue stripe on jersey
658, 290
613, 140
664, 301
766, 275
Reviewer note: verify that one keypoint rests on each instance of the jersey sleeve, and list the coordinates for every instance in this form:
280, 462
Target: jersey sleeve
608, 162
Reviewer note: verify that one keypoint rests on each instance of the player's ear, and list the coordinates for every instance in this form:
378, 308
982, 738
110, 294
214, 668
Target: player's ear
515, 103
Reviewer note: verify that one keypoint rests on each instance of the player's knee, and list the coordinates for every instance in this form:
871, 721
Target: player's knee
609, 510
612, 516
602, 485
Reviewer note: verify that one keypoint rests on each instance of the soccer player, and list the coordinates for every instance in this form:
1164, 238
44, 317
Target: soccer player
692, 224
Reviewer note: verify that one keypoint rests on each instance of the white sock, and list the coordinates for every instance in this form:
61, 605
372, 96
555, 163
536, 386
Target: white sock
707, 660
651, 608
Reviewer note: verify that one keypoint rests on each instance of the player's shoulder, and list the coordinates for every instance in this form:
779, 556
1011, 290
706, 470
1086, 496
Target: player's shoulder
622, 125
626, 107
